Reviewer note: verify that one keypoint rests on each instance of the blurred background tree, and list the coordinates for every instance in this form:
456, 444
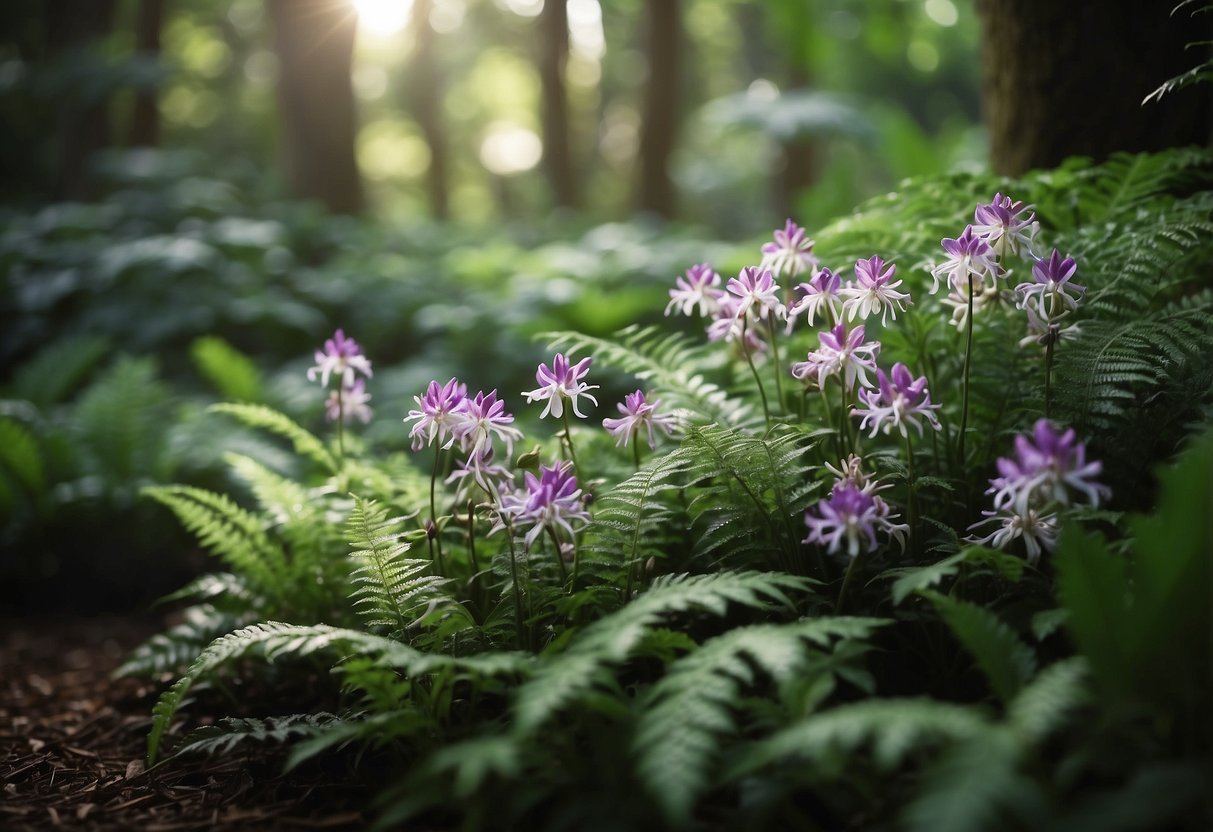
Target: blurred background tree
729, 113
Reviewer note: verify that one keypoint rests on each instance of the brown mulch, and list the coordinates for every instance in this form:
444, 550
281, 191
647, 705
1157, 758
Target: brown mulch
72, 745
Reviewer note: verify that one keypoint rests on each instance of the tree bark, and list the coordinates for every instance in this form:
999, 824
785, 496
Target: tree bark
659, 130
557, 145
83, 128
314, 40
1068, 78
145, 117
423, 90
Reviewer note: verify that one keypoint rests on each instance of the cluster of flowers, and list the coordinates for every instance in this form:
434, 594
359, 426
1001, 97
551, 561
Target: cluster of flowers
976, 260
853, 513
342, 358
1031, 487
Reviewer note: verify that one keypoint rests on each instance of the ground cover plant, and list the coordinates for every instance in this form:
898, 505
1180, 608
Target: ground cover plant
903, 525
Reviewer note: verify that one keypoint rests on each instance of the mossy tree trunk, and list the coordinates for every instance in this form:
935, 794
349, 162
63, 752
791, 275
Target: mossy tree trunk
1068, 78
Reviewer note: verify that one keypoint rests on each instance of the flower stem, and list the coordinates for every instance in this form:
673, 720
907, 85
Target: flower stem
852, 568
636, 451
911, 495
436, 540
564, 572
340, 428
1048, 377
778, 366
766, 411
509, 536
964, 401
568, 441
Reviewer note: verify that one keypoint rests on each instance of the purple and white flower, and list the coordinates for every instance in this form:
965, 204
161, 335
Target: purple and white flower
756, 290
852, 515
821, 295
1007, 226
874, 291
348, 403
968, 256
850, 472
791, 253
1038, 531
341, 356
1044, 331
551, 500
563, 382
1045, 466
697, 291
1051, 286
638, 414
480, 470
481, 418
900, 400
843, 354
436, 413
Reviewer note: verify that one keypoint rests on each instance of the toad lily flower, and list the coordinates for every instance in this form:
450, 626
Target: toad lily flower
756, 290
1007, 226
638, 415
1051, 288
698, 290
341, 356
791, 253
854, 516
551, 500
841, 354
562, 382
900, 400
968, 256
821, 295
436, 413
874, 291
481, 418
350, 402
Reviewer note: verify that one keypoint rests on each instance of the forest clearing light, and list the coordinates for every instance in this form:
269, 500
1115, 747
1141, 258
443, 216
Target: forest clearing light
383, 17
508, 149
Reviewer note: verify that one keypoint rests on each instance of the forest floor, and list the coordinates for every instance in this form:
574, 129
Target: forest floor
73, 740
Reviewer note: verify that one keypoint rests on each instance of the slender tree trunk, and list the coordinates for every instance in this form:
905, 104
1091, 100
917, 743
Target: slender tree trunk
424, 91
1068, 78
84, 128
557, 145
145, 119
314, 40
798, 168
659, 130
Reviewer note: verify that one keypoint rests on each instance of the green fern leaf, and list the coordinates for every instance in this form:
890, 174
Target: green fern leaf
562, 678
231, 372
259, 416
230, 733
1007, 662
1045, 703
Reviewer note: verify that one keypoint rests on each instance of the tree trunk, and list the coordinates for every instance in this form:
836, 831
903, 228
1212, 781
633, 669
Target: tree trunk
423, 90
145, 118
798, 158
314, 40
557, 146
1068, 78
83, 129
661, 107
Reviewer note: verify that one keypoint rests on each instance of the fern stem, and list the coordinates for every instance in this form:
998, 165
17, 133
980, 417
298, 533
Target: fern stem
778, 367
766, 411
964, 401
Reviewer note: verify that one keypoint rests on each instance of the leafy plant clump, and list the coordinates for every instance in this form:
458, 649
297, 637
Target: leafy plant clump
873, 546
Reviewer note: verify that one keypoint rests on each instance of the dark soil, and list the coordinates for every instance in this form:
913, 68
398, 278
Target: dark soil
72, 745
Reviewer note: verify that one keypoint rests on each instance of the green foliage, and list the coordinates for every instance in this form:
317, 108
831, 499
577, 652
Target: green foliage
230, 733
259, 416
228, 370
1005, 660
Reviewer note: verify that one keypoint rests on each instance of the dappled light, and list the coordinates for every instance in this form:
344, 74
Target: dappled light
674, 415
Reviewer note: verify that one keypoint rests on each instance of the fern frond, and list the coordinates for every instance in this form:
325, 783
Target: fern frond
678, 736
1007, 662
893, 728
20, 456
229, 532
230, 733
231, 372
1045, 703
672, 364
58, 368
389, 588
174, 649
562, 678
260, 416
